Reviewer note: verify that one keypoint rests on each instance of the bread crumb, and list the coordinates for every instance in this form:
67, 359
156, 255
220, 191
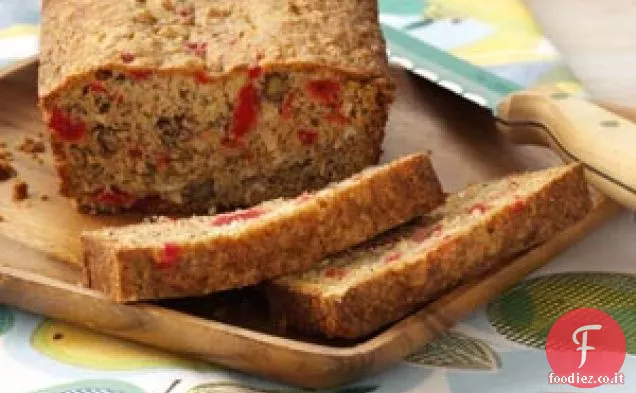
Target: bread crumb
20, 191
6, 156
30, 145
3, 145
1, 218
44, 197
7, 171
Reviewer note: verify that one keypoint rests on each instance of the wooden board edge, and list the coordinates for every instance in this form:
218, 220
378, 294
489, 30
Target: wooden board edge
285, 360
226, 345
278, 358
18, 65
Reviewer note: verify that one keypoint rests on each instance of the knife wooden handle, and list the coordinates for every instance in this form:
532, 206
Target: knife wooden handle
579, 131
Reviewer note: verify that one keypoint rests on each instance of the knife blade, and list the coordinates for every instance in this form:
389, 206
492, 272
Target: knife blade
555, 115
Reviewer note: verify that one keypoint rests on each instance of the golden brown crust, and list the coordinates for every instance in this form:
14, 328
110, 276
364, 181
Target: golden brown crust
385, 298
98, 276
327, 223
81, 36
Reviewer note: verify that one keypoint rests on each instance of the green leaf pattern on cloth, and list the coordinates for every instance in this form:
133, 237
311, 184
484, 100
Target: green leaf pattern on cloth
527, 312
94, 386
457, 351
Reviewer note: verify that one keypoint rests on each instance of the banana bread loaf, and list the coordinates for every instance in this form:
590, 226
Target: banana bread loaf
181, 106
200, 255
360, 290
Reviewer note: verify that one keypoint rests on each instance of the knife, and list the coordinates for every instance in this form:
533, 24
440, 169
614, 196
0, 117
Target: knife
573, 127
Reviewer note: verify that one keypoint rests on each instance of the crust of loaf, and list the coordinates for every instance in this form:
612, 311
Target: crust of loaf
332, 221
386, 298
82, 36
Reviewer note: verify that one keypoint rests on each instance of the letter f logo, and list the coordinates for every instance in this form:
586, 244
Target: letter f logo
584, 347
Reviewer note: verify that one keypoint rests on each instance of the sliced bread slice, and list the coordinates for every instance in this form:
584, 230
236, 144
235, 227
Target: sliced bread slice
363, 289
201, 255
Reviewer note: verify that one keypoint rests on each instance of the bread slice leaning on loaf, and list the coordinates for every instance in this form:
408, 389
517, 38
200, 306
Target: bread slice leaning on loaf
182, 106
357, 292
200, 255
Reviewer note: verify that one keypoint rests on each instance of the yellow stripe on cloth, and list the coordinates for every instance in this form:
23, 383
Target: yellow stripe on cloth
19, 30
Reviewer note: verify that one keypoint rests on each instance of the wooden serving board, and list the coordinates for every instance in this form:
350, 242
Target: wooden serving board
39, 251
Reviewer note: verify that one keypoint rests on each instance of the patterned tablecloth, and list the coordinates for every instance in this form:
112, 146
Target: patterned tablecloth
18, 30
497, 349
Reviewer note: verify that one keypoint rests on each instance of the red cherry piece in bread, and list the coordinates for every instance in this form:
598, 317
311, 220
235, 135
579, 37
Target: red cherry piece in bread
139, 75
307, 136
198, 48
96, 87
335, 272
113, 197
184, 11
255, 72
423, 233
394, 256
135, 153
324, 91
202, 77
518, 205
163, 160
287, 108
127, 57
169, 256
241, 215
65, 126
478, 207
190, 45
245, 111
